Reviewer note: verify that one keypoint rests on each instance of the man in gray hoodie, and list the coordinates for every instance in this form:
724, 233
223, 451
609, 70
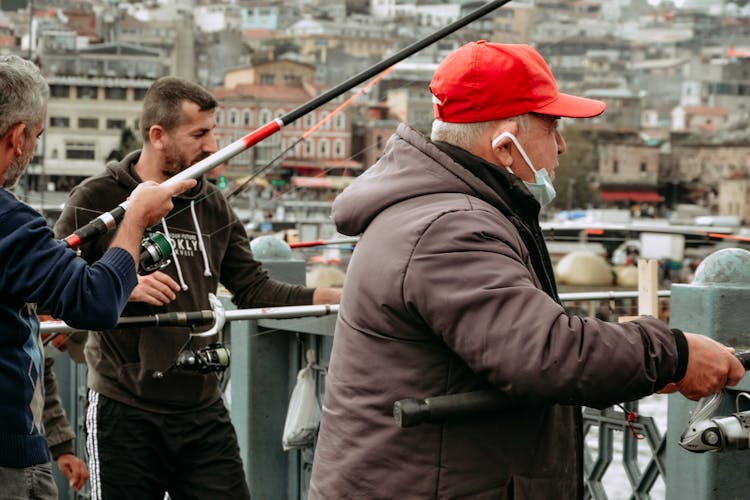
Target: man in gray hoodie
451, 290
153, 428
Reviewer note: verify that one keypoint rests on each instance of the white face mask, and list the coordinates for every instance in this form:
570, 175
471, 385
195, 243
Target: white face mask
542, 188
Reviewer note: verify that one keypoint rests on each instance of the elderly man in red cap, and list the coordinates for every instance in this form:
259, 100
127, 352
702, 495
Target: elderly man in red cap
451, 290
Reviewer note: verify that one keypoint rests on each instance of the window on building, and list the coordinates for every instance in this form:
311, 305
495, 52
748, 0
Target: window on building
264, 116
233, 117
139, 94
115, 124
246, 117
115, 93
379, 142
327, 123
338, 148
292, 80
59, 121
644, 167
323, 149
308, 148
59, 91
267, 78
79, 151
309, 118
340, 122
615, 166
88, 123
86, 92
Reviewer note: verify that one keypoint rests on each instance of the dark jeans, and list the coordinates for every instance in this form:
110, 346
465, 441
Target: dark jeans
30, 483
139, 454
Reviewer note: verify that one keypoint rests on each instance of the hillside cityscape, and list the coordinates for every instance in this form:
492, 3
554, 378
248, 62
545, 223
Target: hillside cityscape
675, 77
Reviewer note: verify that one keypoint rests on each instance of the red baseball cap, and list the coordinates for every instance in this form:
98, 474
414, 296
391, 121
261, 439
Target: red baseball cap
484, 81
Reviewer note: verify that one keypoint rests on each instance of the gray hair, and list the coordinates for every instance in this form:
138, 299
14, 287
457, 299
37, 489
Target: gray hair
23, 93
464, 135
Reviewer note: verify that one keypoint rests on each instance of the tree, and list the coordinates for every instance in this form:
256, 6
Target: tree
128, 142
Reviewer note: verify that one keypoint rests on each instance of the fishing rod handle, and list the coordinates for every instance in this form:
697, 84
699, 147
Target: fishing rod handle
744, 357
410, 412
97, 227
190, 318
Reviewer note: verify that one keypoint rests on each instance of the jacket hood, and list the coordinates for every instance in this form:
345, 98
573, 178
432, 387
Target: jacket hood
123, 172
400, 175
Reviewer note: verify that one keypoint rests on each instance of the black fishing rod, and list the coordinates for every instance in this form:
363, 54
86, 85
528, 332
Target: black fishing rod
411, 411
102, 224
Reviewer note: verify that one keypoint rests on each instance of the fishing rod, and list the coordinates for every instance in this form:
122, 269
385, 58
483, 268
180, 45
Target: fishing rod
107, 221
242, 187
320, 243
409, 412
197, 318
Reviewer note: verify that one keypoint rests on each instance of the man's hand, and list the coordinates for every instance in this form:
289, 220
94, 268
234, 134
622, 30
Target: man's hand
151, 201
74, 469
156, 289
711, 367
327, 296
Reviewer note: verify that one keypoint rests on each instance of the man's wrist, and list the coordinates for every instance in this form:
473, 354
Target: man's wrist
682, 354
60, 449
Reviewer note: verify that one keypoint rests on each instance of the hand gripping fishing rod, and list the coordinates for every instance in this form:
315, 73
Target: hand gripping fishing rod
705, 431
410, 412
102, 224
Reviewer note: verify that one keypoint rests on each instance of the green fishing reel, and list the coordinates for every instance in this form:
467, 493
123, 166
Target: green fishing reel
155, 253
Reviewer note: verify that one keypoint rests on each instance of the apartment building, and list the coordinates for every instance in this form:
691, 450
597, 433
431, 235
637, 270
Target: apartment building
85, 119
325, 153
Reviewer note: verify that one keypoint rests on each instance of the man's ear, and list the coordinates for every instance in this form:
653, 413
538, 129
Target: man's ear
500, 149
156, 136
15, 139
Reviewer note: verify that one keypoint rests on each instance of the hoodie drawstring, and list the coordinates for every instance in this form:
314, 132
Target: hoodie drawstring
201, 245
174, 256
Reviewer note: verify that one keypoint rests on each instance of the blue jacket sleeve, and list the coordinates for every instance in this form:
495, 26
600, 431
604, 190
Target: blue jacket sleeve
42, 270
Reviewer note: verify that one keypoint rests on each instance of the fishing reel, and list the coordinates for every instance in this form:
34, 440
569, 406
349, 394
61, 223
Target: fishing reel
155, 253
212, 358
707, 432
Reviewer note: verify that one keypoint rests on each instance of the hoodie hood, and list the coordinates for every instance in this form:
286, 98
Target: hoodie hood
123, 172
411, 166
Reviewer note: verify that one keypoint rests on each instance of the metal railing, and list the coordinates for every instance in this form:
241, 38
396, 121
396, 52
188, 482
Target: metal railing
626, 458
617, 464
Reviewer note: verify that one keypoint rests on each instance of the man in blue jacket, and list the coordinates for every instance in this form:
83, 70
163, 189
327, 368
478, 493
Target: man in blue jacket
38, 270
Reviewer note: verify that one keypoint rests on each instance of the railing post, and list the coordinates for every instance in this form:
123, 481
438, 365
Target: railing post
262, 370
715, 304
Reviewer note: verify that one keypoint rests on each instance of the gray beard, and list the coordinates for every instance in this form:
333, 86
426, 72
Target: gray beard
14, 172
